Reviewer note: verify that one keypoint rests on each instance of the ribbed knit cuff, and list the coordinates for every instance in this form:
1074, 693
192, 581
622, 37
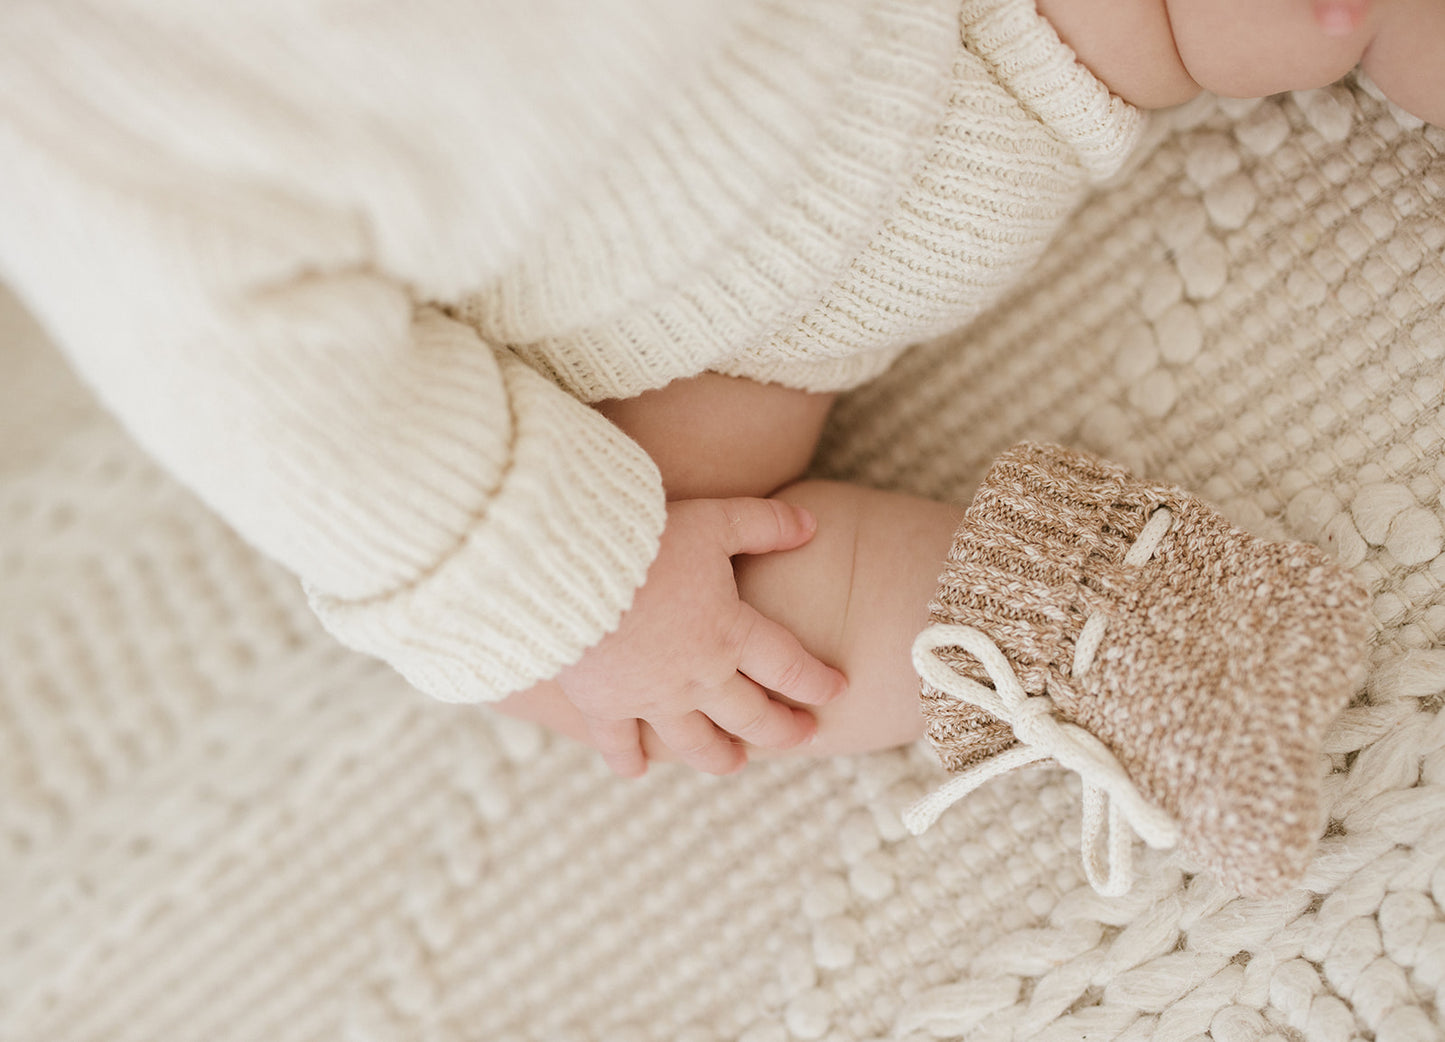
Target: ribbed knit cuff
758, 182
545, 573
818, 376
1023, 567
1042, 72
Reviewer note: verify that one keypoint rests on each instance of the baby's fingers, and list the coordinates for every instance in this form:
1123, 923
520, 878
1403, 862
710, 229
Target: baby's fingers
744, 709
762, 526
699, 744
620, 744
773, 657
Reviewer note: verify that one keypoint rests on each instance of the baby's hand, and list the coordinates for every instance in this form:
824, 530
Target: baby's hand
693, 660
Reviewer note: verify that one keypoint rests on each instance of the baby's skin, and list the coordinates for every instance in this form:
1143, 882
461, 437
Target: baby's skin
754, 606
1156, 53
855, 595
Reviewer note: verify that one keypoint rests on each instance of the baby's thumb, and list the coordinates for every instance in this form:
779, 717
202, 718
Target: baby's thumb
762, 526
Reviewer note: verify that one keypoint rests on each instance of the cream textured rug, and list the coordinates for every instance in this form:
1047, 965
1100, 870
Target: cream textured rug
216, 825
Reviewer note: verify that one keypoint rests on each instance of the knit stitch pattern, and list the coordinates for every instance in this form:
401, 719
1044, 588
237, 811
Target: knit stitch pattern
955, 139
1223, 659
373, 290
217, 825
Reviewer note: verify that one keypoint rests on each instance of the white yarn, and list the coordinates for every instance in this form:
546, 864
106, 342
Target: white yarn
1042, 736
1090, 637
1149, 538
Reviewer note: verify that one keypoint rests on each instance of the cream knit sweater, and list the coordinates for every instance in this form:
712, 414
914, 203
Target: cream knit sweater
351, 271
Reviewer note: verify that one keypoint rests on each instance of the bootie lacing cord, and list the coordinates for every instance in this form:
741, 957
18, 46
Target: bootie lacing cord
1109, 794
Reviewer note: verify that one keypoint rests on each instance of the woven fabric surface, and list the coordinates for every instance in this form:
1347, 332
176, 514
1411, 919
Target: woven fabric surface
215, 824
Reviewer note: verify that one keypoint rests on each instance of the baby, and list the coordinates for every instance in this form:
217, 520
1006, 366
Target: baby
706, 672
876, 555
363, 305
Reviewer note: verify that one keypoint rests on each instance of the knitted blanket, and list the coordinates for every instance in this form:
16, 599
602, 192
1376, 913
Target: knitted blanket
215, 824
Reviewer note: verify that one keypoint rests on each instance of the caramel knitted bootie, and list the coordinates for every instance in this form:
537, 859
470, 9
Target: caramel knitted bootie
1125, 630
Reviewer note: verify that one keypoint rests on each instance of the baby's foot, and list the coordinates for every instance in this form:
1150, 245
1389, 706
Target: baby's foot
1186, 669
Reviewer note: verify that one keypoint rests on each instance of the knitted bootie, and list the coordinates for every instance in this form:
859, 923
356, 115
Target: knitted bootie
1186, 669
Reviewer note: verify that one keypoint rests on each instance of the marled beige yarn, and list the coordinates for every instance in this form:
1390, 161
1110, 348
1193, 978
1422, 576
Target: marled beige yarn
1224, 656
217, 827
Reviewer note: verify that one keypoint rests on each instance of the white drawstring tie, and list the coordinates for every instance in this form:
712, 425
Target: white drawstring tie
1109, 794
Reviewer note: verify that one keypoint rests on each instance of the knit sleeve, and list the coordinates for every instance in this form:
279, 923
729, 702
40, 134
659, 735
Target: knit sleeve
1025, 133
447, 509
832, 181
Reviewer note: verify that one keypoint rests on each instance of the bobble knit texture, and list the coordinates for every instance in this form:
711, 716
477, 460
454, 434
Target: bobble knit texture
1224, 656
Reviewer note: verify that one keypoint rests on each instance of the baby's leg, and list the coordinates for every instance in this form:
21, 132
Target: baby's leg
856, 596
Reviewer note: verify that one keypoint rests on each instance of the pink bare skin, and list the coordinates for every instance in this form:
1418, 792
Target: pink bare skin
1155, 53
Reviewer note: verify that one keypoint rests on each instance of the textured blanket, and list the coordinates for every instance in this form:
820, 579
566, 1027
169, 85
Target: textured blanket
217, 825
